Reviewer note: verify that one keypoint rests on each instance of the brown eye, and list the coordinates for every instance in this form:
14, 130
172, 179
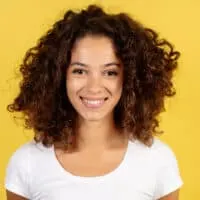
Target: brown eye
78, 71
111, 73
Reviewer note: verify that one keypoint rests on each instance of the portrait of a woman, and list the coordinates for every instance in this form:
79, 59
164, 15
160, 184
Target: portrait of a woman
91, 91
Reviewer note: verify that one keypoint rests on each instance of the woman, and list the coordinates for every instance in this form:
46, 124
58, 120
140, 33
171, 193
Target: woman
91, 90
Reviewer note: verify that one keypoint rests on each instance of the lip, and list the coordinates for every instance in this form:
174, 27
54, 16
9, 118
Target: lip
94, 98
85, 102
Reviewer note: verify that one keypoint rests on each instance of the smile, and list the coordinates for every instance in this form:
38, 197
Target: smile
93, 103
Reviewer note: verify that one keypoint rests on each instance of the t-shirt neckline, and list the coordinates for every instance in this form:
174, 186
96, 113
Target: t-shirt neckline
92, 179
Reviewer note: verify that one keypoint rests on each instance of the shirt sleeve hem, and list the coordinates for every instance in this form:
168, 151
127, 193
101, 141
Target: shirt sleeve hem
171, 189
16, 190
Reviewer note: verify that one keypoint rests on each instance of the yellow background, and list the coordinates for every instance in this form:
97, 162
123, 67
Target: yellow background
22, 22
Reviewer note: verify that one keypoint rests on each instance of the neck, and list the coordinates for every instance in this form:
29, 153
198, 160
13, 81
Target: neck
97, 135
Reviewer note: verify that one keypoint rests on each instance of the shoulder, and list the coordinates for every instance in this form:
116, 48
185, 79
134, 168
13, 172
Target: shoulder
159, 144
156, 146
22, 167
168, 178
24, 153
18, 171
160, 153
162, 164
19, 155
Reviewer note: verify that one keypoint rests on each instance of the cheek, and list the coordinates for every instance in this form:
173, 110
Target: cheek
115, 88
73, 85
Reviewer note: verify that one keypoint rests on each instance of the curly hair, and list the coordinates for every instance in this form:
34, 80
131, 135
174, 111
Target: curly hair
148, 63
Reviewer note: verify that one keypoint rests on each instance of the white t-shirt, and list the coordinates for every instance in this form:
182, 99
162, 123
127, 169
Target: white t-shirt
146, 173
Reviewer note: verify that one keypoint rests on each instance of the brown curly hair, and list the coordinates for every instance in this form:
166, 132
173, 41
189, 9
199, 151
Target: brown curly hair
148, 62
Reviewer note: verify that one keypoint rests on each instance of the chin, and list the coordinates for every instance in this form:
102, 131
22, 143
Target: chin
93, 117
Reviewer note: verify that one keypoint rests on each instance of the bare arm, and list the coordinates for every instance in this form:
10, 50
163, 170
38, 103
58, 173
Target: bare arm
13, 196
172, 196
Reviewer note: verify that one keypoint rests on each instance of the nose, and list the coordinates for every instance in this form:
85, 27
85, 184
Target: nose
94, 83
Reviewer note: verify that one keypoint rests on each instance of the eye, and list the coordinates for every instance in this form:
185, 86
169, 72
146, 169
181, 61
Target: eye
78, 71
111, 73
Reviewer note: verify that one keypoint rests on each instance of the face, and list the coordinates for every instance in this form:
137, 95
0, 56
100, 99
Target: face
94, 78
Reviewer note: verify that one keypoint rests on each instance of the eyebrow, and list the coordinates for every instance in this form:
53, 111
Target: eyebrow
105, 65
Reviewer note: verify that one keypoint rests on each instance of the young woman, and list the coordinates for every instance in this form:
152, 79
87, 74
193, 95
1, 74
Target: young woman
92, 88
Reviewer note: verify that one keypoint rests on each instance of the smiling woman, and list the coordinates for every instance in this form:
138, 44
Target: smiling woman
98, 82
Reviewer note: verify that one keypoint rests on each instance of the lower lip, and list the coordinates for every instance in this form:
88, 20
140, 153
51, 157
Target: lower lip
88, 105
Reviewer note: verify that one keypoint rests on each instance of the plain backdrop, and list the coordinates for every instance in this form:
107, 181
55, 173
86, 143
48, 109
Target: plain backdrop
22, 22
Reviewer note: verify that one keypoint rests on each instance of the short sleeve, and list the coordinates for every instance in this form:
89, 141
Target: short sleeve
17, 172
168, 175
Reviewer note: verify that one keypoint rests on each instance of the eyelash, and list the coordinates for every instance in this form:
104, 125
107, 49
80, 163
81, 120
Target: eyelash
80, 72
113, 73
77, 71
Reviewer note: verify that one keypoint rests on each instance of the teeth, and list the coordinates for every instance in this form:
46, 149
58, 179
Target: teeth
93, 102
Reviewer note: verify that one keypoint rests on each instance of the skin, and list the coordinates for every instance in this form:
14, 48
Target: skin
94, 77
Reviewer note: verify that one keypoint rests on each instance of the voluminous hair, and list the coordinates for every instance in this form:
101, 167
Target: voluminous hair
148, 63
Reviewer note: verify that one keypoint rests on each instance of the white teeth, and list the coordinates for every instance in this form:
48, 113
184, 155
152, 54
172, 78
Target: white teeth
93, 102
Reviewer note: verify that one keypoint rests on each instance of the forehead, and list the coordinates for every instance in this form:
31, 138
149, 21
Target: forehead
94, 49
